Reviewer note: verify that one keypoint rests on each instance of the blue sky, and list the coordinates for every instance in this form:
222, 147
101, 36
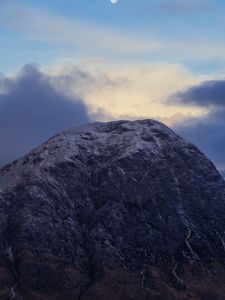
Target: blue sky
127, 60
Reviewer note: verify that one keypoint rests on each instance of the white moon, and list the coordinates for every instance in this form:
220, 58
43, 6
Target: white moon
114, 1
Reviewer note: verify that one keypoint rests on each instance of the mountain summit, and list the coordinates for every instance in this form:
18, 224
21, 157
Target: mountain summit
112, 211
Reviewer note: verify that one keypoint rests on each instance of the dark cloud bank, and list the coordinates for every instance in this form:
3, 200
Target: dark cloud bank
207, 132
32, 110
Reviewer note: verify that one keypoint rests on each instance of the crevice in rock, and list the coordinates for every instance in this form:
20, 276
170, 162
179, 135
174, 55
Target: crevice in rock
13, 289
178, 278
195, 256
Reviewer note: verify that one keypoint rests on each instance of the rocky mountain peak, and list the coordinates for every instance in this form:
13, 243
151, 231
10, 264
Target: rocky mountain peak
118, 210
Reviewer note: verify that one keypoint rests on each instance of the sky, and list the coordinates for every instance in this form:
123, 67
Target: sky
66, 63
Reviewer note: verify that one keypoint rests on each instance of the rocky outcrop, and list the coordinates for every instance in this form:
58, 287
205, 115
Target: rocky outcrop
119, 210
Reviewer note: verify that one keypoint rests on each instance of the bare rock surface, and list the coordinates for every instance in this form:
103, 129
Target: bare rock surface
111, 211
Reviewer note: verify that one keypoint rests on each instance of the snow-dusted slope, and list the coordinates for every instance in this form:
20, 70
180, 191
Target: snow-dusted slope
114, 141
119, 210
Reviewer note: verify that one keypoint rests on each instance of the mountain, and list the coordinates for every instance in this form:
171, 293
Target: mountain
120, 210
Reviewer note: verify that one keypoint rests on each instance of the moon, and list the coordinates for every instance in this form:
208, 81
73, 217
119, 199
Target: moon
114, 1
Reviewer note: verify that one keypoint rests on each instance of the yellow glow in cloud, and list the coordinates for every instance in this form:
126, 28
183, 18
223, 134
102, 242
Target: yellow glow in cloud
136, 91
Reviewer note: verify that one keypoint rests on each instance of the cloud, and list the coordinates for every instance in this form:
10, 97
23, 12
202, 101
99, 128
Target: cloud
59, 38
184, 6
208, 93
82, 36
32, 110
130, 90
208, 131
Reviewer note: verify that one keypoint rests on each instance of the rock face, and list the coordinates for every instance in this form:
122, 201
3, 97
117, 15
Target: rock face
112, 211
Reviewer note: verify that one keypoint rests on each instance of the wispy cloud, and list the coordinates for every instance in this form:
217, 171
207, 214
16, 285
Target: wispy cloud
184, 6
42, 26
130, 90
83, 38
